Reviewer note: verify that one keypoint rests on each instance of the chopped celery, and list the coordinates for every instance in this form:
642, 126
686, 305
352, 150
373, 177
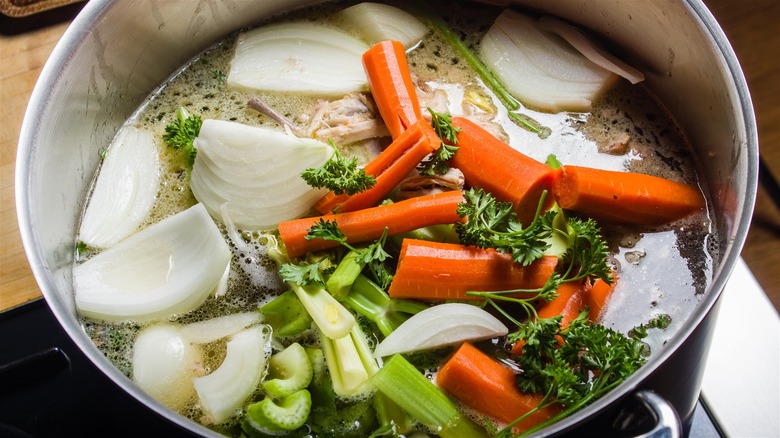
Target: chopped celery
268, 417
368, 299
350, 361
346, 272
559, 239
331, 317
436, 233
329, 417
390, 415
289, 371
400, 381
286, 315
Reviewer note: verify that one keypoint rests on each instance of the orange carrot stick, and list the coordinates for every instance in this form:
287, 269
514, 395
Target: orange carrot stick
595, 296
501, 170
389, 168
567, 304
573, 297
391, 85
624, 197
444, 271
369, 224
487, 386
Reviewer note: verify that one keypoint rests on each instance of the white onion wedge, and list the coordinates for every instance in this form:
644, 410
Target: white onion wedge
590, 49
439, 326
164, 364
224, 391
125, 189
210, 330
540, 69
168, 268
379, 22
298, 57
256, 172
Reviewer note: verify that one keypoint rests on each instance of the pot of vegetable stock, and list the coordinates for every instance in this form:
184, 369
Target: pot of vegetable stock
115, 55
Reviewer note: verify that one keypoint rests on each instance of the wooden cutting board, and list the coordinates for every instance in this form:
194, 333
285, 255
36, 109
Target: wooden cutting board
749, 24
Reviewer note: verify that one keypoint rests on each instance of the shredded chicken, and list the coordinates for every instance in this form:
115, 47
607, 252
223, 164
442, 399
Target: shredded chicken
350, 119
616, 146
474, 106
420, 185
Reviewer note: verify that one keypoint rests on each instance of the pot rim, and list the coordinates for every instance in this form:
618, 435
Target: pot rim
94, 10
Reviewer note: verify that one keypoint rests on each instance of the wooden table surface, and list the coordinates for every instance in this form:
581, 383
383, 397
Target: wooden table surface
751, 26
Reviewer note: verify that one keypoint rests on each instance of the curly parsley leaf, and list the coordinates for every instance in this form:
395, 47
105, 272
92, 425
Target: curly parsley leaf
328, 230
436, 164
588, 251
303, 274
493, 224
219, 75
590, 360
181, 133
339, 175
660, 322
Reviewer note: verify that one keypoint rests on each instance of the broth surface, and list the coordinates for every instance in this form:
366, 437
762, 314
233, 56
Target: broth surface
661, 271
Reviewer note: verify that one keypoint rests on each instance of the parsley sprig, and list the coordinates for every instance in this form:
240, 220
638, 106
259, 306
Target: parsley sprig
493, 224
591, 360
181, 133
436, 164
372, 256
306, 273
340, 175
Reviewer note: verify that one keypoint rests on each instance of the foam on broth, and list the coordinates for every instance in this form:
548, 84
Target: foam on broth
662, 271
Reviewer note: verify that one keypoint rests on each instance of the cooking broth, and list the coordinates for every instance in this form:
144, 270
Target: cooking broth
662, 271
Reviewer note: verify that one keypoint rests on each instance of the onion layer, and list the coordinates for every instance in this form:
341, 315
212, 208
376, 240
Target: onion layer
539, 68
210, 330
590, 49
224, 391
379, 22
256, 172
168, 268
125, 189
164, 364
439, 326
298, 57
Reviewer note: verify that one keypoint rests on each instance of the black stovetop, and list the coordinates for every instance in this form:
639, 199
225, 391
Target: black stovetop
49, 388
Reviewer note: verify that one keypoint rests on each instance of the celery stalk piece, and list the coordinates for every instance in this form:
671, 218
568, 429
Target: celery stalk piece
350, 361
331, 317
411, 390
289, 371
286, 315
269, 417
351, 374
346, 272
369, 300
390, 415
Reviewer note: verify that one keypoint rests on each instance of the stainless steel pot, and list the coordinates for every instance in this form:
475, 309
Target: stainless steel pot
115, 53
